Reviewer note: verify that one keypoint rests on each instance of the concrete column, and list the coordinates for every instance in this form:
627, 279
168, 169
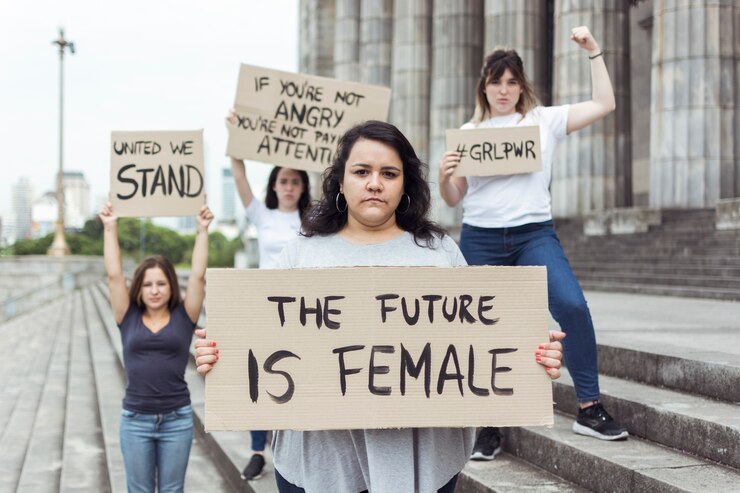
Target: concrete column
376, 31
592, 168
524, 26
457, 54
347, 40
411, 71
694, 111
316, 35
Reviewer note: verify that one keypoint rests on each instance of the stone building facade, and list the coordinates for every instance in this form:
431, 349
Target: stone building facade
673, 142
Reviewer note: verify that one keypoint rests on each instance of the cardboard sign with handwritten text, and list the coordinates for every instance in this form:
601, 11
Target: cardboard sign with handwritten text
295, 120
157, 173
377, 347
496, 151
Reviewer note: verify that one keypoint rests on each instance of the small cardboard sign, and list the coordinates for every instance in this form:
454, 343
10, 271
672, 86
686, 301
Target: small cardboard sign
377, 347
157, 173
496, 151
296, 120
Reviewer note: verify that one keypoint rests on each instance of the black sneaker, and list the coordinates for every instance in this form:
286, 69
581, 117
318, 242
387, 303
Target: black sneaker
254, 468
487, 445
595, 422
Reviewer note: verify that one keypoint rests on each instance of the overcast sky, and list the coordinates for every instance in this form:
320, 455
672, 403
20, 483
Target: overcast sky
139, 65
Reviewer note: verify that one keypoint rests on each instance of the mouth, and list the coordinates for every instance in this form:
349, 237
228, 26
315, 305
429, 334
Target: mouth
374, 200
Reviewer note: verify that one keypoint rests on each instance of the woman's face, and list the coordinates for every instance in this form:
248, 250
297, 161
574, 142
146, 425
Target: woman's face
503, 94
288, 188
372, 183
155, 289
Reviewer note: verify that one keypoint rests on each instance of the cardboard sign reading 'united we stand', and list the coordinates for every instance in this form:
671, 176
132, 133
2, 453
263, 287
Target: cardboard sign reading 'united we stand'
496, 151
377, 347
296, 120
157, 173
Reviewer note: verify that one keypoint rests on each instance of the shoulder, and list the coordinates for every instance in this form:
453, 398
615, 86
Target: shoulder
181, 315
298, 249
448, 245
549, 114
256, 208
132, 314
468, 125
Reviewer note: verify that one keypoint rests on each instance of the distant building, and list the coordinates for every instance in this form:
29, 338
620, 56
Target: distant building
44, 214
228, 196
186, 224
76, 200
22, 206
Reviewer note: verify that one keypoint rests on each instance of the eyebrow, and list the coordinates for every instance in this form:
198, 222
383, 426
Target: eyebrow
385, 167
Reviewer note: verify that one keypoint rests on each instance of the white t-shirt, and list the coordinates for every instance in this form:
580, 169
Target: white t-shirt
275, 229
513, 200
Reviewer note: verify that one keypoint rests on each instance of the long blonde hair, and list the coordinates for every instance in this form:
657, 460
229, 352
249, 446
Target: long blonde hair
493, 68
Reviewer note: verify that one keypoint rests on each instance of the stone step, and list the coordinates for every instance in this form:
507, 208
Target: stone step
510, 474
681, 261
639, 266
702, 372
703, 427
26, 378
662, 290
84, 458
110, 383
649, 278
41, 470
634, 465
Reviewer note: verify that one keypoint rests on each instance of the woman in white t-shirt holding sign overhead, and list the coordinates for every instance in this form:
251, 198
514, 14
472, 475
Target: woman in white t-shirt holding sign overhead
507, 220
278, 220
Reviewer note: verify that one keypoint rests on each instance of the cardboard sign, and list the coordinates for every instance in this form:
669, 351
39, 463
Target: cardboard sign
496, 151
377, 347
157, 173
296, 120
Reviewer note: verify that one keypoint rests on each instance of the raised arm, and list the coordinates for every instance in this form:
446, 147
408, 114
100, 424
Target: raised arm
451, 188
113, 266
196, 290
602, 101
238, 171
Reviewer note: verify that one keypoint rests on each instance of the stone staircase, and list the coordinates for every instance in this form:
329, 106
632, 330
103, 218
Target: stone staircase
683, 256
675, 384
60, 402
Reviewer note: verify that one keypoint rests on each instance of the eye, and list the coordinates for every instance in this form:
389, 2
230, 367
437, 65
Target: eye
360, 171
390, 174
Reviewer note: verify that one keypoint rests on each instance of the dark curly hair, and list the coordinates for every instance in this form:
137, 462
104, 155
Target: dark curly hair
271, 199
324, 218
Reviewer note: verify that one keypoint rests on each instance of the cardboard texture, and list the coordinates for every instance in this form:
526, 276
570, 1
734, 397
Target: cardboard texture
157, 173
242, 319
496, 151
296, 120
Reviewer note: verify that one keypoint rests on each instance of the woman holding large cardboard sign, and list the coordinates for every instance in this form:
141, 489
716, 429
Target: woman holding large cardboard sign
156, 331
374, 212
507, 220
278, 220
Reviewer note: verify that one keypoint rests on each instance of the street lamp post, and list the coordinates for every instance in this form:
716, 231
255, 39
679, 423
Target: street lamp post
59, 247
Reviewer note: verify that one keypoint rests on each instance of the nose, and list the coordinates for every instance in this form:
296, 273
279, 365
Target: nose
373, 182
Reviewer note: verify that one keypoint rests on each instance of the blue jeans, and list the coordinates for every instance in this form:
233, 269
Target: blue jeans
258, 440
285, 487
537, 244
156, 448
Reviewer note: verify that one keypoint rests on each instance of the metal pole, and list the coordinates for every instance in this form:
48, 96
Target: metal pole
59, 247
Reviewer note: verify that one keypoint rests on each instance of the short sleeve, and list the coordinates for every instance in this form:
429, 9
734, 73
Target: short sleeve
455, 255
256, 211
288, 257
468, 126
130, 315
555, 118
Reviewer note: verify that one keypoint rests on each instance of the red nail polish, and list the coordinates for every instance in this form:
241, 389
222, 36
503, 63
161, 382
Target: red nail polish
217, 357
541, 346
213, 343
547, 368
538, 353
538, 358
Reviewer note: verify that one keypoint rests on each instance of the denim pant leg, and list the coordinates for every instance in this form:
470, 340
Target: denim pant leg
567, 306
174, 439
139, 451
259, 438
484, 246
